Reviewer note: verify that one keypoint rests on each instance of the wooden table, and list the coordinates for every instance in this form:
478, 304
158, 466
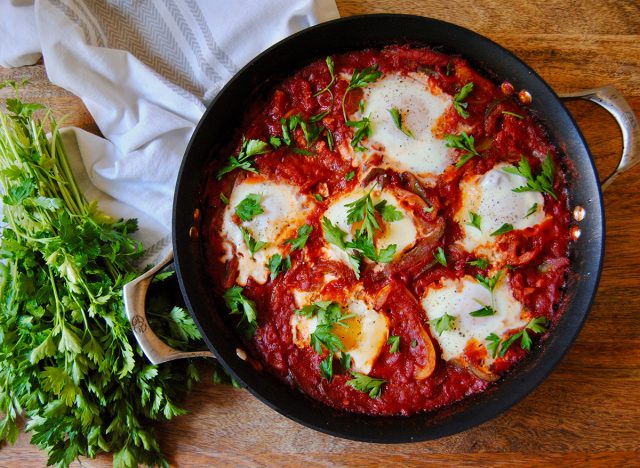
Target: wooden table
588, 410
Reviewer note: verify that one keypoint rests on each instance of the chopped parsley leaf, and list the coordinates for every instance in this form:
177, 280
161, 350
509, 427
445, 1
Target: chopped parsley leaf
252, 244
301, 239
364, 383
481, 263
462, 142
398, 121
475, 220
542, 183
250, 207
444, 323
506, 227
394, 344
244, 159
440, 256
235, 300
459, 106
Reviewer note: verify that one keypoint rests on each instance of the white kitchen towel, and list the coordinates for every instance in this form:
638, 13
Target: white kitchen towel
145, 70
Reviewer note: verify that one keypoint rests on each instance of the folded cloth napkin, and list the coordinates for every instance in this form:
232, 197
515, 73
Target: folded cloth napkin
145, 71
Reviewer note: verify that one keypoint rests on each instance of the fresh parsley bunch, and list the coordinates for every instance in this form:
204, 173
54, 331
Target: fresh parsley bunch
68, 361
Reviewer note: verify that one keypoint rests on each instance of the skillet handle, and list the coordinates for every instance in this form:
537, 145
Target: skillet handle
135, 294
613, 102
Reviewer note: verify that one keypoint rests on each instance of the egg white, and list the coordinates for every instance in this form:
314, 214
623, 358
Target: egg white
459, 297
285, 210
402, 233
423, 153
491, 196
366, 334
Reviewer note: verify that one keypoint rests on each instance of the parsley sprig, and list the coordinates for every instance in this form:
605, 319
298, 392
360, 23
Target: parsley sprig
249, 207
360, 79
443, 323
489, 283
396, 116
238, 304
330, 315
364, 383
298, 242
497, 347
542, 182
329, 62
363, 210
252, 244
463, 142
458, 104
244, 159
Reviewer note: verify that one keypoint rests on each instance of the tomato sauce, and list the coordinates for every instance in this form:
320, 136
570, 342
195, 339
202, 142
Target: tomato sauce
537, 257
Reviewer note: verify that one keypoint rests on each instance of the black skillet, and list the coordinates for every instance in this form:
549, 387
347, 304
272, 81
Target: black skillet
224, 115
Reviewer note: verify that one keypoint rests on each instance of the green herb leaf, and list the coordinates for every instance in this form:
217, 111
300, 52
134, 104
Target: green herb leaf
319, 117
444, 323
493, 345
223, 198
329, 62
462, 142
481, 263
388, 212
513, 114
363, 129
475, 220
275, 142
506, 227
490, 283
349, 176
531, 210
386, 255
238, 304
363, 210
542, 183
345, 360
398, 121
286, 133
329, 314
458, 104
252, 244
318, 197
486, 311
244, 159
333, 234
301, 239
326, 367
250, 207
329, 138
364, 383
394, 344
303, 152
278, 265
414, 343
440, 257
360, 79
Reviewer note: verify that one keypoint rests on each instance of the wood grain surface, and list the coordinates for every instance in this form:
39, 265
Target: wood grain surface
588, 411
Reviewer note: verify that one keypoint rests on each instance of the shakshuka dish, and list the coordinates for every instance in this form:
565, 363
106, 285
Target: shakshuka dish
389, 229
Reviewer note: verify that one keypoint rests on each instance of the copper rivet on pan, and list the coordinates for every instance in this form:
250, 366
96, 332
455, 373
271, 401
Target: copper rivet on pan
196, 214
193, 232
524, 97
575, 232
241, 354
578, 213
507, 88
